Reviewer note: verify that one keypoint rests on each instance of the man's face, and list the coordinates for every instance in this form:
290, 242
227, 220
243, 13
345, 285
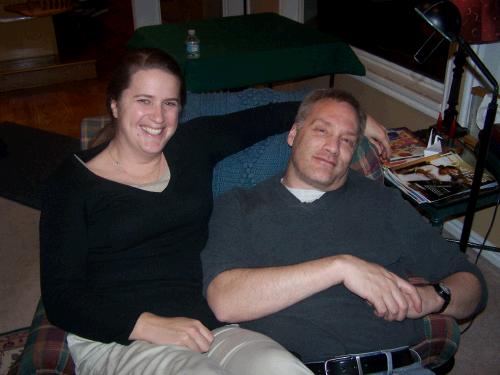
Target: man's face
322, 147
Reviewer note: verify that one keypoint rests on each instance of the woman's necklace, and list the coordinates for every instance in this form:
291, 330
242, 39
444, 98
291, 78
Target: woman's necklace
151, 177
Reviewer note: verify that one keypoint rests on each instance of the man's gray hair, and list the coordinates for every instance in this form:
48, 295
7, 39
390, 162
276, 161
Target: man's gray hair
331, 94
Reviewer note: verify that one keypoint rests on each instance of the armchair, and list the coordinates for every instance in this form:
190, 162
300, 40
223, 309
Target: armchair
46, 350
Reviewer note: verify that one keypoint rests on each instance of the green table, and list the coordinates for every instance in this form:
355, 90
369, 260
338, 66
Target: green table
243, 51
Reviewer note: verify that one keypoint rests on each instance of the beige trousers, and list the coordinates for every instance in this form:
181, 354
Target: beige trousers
234, 351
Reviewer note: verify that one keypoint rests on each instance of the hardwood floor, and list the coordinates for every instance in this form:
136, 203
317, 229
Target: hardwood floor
101, 35
57, 108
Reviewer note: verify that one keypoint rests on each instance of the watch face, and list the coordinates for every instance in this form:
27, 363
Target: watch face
445, 293
445, 289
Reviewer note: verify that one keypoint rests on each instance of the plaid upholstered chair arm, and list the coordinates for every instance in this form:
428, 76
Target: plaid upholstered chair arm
442, 337
90, 127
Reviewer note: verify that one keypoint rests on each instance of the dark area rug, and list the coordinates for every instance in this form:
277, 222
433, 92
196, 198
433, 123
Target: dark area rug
27, 157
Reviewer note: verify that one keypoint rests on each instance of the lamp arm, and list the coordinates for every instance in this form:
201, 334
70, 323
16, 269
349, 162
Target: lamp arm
484, 138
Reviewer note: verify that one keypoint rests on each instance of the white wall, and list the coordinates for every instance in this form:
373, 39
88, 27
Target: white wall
293, 9
490, 56
146, 12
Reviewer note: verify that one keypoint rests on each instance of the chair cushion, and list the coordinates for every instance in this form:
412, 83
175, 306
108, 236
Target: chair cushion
270, 156
219, 103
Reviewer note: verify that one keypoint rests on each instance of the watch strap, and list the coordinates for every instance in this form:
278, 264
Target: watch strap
444, 293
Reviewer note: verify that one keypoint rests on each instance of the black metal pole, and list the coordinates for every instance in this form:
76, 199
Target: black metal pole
484, 140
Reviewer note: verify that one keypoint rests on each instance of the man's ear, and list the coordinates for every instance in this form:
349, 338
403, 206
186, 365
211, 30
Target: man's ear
291, 134
114, 108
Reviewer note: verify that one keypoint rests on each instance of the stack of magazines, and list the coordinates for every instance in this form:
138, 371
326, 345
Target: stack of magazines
405, 145
437, 178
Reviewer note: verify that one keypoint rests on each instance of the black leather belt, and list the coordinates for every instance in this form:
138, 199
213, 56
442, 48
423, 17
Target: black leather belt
368, 363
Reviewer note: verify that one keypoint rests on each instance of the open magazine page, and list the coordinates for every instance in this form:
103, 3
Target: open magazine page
404, 145
436, 178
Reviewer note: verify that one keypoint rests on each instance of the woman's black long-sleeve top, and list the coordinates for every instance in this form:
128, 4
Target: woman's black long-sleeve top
110, 252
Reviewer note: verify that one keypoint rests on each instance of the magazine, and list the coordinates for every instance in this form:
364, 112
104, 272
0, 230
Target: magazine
404, 144
436, 178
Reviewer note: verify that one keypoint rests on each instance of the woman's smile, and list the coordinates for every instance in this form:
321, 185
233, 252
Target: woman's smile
152, 131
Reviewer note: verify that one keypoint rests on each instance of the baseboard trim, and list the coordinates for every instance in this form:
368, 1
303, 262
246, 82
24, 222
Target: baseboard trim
454, 227
413, 89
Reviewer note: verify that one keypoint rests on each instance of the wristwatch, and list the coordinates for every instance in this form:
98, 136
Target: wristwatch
445, 293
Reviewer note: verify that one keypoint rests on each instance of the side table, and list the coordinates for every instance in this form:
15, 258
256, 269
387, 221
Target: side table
439, 212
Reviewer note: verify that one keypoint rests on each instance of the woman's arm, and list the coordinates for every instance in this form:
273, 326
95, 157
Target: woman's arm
227, 134
68, 299
377, 135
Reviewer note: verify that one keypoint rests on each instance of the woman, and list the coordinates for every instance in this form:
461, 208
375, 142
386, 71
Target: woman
122, 228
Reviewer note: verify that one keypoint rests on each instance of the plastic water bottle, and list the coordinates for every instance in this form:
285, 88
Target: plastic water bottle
192, 45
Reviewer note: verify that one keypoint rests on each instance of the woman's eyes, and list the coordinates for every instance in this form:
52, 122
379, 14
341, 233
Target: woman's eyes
169, 103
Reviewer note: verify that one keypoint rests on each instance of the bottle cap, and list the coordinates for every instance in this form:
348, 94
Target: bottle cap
191, 31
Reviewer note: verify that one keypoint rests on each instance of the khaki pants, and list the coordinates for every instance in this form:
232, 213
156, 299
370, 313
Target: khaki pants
234, 351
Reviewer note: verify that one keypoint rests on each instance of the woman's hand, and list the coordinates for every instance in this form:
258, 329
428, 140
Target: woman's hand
377, 135
174, 331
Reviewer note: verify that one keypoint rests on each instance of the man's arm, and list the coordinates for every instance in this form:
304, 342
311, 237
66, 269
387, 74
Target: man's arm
245, 294
465, 296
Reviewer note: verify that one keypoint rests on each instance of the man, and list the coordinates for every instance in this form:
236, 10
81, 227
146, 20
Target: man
319, 259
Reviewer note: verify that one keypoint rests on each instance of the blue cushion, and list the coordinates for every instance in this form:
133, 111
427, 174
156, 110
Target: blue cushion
252, 165
218, 103
270, 157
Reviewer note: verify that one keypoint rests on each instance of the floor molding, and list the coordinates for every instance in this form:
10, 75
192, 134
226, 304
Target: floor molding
407, 86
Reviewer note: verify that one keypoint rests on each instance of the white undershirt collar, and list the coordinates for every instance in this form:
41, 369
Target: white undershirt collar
304, 195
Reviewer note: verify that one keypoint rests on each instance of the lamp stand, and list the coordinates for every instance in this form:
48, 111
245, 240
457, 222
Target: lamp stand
484, 139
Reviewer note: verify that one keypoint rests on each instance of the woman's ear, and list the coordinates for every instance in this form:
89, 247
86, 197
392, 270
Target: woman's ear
114, 108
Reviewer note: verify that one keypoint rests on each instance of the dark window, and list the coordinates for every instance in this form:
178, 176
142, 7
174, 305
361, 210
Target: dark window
390, 29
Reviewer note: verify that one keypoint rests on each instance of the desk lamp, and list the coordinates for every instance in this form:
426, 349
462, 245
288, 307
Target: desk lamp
444, 17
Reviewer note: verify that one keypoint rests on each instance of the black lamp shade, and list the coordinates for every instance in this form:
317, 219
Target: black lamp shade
442, 15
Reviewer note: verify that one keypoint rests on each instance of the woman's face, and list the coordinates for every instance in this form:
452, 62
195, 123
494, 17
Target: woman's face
148, 110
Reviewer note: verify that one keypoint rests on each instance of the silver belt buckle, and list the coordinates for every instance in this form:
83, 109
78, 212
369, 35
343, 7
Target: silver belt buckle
343, 358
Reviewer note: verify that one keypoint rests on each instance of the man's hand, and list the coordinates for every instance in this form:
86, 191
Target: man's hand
174, 331
465, 296
431, 302
377, 135
390, 296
